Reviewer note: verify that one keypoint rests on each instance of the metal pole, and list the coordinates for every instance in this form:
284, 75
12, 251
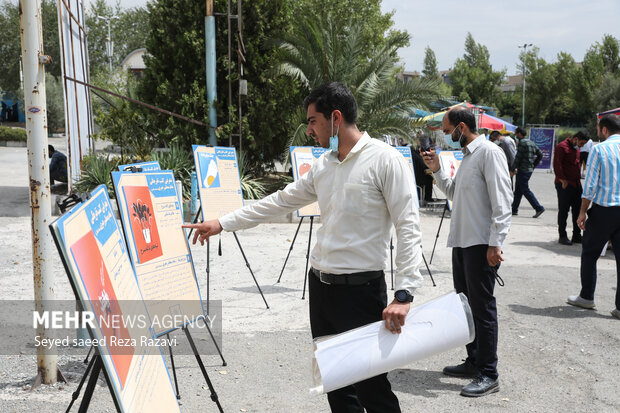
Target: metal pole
240, 68
211, 70
40, 204
525, 46
229, 63
109, 44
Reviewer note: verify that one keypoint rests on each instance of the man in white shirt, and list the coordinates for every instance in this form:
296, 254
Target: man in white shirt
481, 198
363, 187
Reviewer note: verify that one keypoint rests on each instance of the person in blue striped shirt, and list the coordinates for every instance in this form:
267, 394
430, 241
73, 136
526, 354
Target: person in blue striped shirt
602, 190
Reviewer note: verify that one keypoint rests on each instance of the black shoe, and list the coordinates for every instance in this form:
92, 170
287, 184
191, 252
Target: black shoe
576, 239
565, 241
466, 369
538, 213
515, 213
481, 386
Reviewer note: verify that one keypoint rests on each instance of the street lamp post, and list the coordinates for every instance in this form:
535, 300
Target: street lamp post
109, 45
524, 47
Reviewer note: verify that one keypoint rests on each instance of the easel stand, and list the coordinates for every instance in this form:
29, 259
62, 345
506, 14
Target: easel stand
242, 253
443, 214
303, 295
94, 368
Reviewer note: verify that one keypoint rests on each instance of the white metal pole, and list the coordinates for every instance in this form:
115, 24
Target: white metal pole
40, 204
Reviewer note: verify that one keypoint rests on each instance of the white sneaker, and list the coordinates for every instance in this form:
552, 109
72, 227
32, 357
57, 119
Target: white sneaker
576, 300
616, 313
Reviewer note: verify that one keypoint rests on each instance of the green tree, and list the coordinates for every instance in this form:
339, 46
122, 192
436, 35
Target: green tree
473, 78
540, 87
430, 70
313, 53
175, 76
10, 43
374, 25
128, 31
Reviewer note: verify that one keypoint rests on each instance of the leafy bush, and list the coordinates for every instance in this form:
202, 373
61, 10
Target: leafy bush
96, 171
252, 188
12, 134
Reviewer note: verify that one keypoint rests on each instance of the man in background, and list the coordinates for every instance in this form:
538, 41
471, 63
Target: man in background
583, 155
602, 190
58, 165
568, 184
527, 158
480, 221
506, 144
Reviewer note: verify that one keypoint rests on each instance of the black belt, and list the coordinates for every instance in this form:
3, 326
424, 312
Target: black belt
357, 278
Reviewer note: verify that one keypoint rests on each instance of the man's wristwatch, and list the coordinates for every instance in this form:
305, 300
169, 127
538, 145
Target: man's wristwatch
403, 296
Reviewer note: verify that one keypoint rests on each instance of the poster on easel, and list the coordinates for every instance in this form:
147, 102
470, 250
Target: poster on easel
151, 217
219, 183
93, 250
145, 166
450, 162
406, 152
302, 159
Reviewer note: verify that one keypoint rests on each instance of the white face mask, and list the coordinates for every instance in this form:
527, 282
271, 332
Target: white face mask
451, 143
333, 140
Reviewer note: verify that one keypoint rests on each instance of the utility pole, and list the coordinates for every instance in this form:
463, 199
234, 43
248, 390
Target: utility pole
211, 70
109, 44
524, 47
40, 204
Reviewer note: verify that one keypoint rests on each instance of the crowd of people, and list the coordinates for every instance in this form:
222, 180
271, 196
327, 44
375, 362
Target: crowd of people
364, 186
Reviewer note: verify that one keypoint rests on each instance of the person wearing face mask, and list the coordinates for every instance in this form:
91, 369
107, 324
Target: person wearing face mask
527, 158
568, 184
363, 186
481, 197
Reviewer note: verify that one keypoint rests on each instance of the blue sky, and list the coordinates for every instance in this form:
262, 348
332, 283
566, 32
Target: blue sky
501, 25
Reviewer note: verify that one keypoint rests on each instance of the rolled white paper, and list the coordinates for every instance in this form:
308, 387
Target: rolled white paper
432, 328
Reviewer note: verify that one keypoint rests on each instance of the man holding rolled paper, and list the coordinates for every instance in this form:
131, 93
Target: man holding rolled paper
481, 212
363, 187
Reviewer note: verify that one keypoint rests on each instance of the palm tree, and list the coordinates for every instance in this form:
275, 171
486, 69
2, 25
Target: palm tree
317, 52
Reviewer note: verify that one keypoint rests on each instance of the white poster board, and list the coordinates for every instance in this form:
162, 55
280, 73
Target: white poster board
219, 183
450, 162
303, 157
74, 65
151, 216
93, 250
406, 152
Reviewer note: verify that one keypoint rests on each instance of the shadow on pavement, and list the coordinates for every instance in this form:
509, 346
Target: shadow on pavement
572, 250
421, 382
566, 311
14, 201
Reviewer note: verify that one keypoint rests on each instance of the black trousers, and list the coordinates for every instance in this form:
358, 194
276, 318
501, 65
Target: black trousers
338, 308
568, 198
602, 225
474, 277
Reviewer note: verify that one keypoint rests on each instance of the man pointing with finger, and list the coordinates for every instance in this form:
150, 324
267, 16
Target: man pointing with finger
481, 196
363, 187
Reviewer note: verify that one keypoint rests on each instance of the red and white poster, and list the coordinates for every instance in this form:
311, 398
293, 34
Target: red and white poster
143, 222
101, 294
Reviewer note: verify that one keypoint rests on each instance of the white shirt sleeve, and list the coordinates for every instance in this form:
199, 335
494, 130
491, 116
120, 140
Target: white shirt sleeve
399, 192
444, 183
296, 195
500, 194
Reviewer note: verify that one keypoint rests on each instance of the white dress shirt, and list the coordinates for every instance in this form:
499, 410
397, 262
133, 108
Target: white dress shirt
481, 195
360, 198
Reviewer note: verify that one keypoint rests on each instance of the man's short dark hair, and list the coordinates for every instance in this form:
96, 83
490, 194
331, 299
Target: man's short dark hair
333, 96
611, 122
50, 149
494, 133
458, 115
520, 131
581, 136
